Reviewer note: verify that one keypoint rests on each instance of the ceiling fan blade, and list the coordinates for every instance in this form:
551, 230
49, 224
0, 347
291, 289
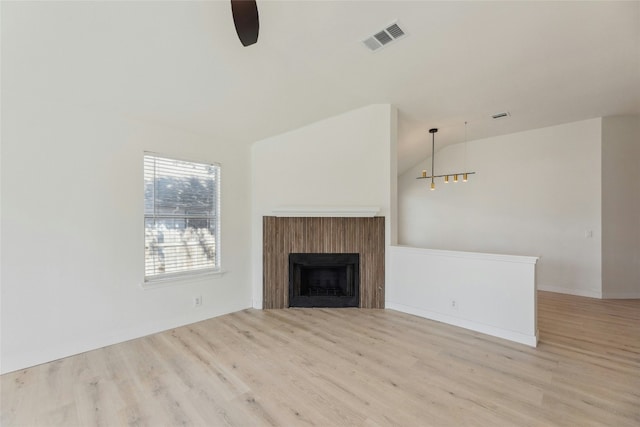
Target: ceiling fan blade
245, 18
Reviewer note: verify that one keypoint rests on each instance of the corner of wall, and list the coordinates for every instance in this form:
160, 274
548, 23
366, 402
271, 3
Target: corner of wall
621, 206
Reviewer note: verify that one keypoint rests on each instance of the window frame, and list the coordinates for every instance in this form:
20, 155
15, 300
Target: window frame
164, 279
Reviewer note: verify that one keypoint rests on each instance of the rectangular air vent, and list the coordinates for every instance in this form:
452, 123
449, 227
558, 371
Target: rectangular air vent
501, 115
372, 44
395, 31
384, 37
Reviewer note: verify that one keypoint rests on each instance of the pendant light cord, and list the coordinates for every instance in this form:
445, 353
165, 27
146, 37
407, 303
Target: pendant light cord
433, 153
465, 145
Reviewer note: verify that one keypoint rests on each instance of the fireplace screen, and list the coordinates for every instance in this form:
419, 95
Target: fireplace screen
324, 280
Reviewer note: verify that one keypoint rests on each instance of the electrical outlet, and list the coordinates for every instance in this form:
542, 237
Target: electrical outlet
454, 304
197, 301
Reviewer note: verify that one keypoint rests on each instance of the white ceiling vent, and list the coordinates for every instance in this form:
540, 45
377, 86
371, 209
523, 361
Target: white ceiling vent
382, 38
501, 115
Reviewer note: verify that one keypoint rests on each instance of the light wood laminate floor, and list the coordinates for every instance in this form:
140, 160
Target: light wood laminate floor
338, 367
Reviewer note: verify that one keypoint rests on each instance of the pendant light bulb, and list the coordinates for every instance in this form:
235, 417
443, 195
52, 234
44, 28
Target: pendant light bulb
455, 178
446, 179
433, 186
464, 177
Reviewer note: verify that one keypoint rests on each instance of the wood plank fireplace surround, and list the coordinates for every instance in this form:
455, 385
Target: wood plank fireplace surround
362, 238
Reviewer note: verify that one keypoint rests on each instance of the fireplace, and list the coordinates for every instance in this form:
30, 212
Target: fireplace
324, 280
323, 235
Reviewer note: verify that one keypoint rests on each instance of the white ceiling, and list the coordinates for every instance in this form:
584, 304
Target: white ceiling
182, 64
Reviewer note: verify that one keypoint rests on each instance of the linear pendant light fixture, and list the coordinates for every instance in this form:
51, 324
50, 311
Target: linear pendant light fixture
465, 175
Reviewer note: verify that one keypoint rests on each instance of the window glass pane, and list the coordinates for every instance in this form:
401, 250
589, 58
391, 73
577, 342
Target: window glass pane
181, 221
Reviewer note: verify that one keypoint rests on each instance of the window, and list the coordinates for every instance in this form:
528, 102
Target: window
181, 217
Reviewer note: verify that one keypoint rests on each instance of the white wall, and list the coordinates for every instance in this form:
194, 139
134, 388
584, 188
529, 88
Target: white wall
343, 161
621, 207
72, 231
492, 294
535, 193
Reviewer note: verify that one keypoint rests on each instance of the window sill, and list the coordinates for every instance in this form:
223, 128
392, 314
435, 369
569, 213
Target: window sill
163, 282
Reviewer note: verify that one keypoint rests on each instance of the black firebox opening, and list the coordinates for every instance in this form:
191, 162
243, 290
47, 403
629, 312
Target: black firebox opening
324, 280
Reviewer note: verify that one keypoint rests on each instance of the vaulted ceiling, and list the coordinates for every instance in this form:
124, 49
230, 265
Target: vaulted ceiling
181, 63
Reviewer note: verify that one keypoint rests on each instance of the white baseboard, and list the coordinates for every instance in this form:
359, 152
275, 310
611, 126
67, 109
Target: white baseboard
530, 340
621, 295
571, 291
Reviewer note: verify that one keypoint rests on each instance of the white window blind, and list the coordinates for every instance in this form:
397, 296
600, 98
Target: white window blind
181, 217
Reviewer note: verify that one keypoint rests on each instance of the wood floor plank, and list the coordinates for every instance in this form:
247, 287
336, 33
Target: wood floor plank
347, 367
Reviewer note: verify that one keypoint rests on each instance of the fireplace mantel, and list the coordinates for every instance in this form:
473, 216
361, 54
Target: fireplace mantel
326, 211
